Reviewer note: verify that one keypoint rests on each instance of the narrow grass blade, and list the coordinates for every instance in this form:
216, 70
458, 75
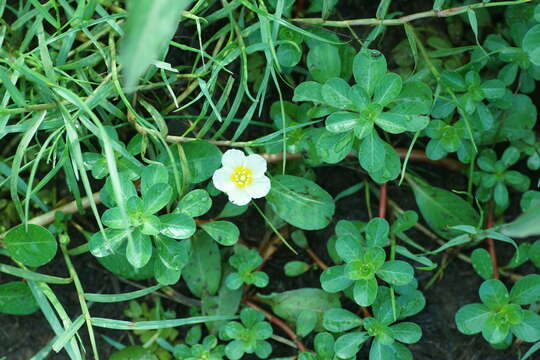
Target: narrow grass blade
110, 298
157, 324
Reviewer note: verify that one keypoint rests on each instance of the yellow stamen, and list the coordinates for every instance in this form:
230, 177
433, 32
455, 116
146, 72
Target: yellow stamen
242, 177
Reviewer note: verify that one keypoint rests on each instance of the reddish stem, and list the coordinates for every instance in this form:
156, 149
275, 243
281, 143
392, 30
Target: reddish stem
491, 243
317, 259
279, 323
383, 195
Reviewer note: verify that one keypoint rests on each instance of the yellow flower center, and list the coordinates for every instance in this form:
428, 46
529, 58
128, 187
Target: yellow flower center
242, 177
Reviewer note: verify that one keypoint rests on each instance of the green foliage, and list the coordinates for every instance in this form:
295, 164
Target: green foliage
500, 312
387, 335
16, 299
365, 262
32, 245
248, 336
245, 261
207, 350
379, 98
494, 177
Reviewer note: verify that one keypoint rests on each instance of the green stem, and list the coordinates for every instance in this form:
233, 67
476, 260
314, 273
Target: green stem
80, 293
407, 18
276, 231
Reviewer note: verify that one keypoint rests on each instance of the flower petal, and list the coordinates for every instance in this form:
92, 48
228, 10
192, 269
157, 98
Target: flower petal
257, 164
233, 158
222, 179
239, 196
259, 188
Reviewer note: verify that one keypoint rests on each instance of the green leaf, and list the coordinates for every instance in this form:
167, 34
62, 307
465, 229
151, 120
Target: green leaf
295, 268
493, 89
324, 345
156, 198
471, 15
531, 44
113, 218
404, 222
151, 225
493, 293
224, 232
151, 175
308, 91
292, 197
453, 80
232, 210
410, 303
118, 264
391, 168
173, 254
396, 272
395, 123
470, 318
323, 62
529, 328
406, 332
16, 299
32, 246
372, 152
348, 248
525, 225
442, 209
164, 274
520, 257
149, 28
288, 54
377, 232
226, 302
369, 67
534, 253
495, 331
332, 148
365, 291
482, 264
288, 305
107, 195
306, 322
387, 89
234, 350
380, 351
335, 92
341, 121
334, 279
106, 243
526, 290
203, 273
203, 159
340, 320
348, 345
177, 225
195, 203
139, 249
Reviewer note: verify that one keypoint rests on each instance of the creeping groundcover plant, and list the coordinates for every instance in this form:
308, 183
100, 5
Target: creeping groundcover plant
269, 179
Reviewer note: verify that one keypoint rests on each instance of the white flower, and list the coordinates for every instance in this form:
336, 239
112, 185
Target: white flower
242, 177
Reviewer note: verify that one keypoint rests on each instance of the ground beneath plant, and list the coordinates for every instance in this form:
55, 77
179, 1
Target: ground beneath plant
22, 336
